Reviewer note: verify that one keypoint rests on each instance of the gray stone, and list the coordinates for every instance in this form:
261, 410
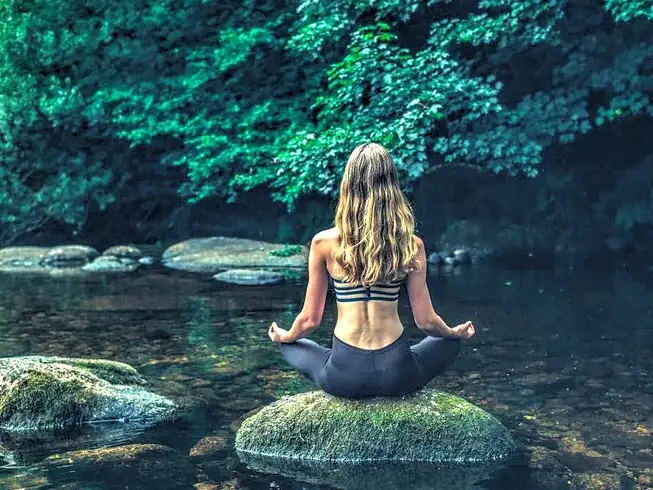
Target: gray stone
54, 392
462, 256
435, 258
70, 256
450, 260
215, 254
110, 263
146, 260
16, 258
56, 261
249, 277
124, 252
427, 426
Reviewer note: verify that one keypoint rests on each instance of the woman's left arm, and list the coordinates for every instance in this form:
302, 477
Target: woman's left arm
311, 315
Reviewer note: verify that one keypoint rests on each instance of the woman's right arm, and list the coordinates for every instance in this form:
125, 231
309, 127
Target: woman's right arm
425, 316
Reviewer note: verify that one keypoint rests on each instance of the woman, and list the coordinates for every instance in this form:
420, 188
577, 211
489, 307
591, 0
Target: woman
369, 253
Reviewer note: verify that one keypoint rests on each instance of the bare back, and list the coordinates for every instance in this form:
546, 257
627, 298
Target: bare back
364, 324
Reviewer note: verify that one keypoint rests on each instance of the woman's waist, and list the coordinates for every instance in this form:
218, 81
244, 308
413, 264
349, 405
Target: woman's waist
368, 338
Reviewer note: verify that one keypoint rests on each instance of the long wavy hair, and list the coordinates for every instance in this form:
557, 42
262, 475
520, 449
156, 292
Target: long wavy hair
375, 220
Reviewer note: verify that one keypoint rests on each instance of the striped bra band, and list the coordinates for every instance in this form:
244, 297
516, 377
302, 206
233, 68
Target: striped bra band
346, 293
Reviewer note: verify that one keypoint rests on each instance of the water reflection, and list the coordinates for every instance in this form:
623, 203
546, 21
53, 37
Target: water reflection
564, 360
376, 476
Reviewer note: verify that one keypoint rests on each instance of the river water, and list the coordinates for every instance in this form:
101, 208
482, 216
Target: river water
564, 360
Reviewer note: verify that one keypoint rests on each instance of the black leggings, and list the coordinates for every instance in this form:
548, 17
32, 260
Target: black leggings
350, 372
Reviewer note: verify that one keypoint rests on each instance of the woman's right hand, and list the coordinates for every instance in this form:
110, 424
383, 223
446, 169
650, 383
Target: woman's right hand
464, 330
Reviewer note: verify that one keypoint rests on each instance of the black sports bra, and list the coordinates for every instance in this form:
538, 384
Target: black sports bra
345, 293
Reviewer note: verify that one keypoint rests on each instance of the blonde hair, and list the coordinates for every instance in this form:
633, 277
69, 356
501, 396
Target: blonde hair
375, 220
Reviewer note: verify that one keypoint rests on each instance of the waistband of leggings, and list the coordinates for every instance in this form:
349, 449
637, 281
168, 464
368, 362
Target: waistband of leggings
400, 340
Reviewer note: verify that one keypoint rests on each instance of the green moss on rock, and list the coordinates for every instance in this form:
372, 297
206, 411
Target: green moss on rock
111, 371
428, 426
22, 404
52, 392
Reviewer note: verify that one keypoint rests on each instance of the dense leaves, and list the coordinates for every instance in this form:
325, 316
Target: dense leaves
96, 97
492, 87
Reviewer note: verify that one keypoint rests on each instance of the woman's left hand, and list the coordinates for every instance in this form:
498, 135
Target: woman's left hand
276, 333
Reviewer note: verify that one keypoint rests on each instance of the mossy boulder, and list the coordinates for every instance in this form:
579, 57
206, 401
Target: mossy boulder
428, 426
54, 392
213, 254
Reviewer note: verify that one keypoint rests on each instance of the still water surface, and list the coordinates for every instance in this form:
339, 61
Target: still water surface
563, 360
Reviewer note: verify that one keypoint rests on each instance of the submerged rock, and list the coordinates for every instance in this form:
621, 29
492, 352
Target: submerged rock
428, 426
26, 448
208, 446
132, 465
54, 392
249, 277
213, 254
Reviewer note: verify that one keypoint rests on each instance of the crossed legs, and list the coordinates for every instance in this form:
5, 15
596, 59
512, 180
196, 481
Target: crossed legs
434, 355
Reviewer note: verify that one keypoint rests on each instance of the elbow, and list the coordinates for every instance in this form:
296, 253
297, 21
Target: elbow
308, 323
425, 323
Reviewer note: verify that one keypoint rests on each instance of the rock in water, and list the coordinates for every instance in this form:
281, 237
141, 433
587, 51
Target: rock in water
124, 252
249, 277
435, 258
110, 263
70, 256
427, 426
55, 392
214, 254
130, 466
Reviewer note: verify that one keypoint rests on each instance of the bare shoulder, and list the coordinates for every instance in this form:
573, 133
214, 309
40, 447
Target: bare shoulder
324, 240
419, 243
326, 235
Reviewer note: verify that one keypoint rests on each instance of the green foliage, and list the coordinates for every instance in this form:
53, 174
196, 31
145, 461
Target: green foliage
57, 161
625, 10
259, 93
220, 102
492, 87
287, 251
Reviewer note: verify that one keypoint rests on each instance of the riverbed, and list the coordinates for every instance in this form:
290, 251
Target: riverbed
564, 359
